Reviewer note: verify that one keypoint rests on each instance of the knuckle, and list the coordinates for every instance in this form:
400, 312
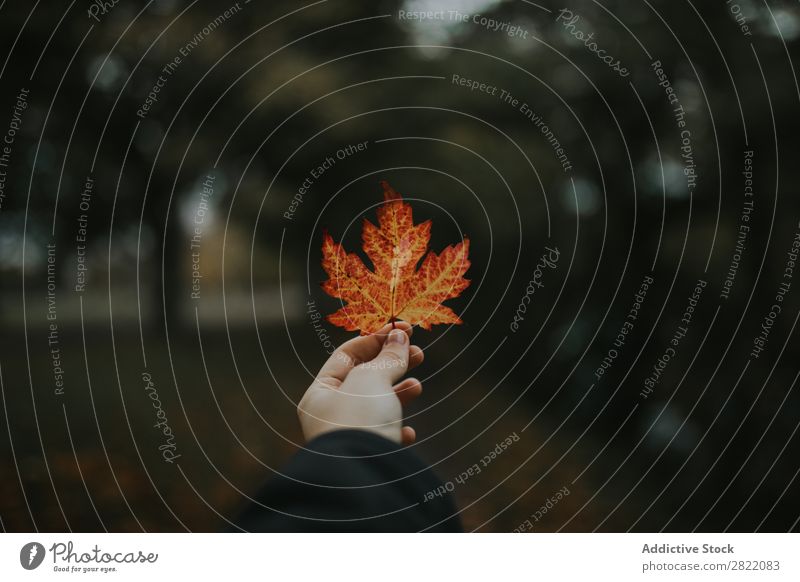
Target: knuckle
343, 357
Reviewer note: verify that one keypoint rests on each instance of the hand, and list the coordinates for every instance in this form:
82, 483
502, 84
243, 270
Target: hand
358, 386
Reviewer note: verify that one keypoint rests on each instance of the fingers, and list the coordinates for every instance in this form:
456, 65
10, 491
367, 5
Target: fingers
408, 390
415, 357
408, 435
357, 351
392, 361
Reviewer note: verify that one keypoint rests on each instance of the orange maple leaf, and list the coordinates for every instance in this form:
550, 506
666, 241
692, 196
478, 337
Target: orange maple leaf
395, 289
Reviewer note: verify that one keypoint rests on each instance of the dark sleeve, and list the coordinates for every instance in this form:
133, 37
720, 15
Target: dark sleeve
352, 481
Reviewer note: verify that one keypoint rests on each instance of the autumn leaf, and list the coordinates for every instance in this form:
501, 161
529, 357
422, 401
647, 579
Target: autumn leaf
395, 289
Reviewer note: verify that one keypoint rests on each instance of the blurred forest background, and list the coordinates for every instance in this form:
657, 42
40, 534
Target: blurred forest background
263, 98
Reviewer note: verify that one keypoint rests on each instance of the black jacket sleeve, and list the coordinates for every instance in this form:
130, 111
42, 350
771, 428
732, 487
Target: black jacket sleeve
352, 481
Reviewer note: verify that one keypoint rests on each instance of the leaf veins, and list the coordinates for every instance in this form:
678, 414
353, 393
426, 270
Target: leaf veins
396, 289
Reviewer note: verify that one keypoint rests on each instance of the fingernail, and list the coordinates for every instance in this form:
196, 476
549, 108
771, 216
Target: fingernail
397, 336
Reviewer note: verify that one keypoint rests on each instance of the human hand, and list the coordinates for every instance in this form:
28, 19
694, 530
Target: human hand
358, 386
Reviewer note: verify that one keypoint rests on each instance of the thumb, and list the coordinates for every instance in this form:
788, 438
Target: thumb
392, 361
